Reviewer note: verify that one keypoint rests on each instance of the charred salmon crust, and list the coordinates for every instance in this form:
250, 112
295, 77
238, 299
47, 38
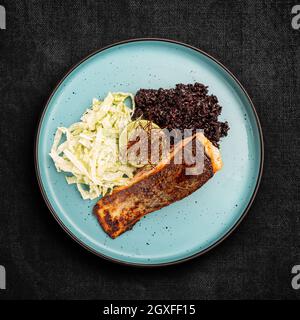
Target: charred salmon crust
150, 191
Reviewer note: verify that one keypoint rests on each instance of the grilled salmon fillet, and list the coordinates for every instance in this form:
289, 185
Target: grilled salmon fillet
154, 189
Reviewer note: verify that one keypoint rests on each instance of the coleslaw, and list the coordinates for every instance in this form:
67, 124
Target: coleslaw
90, 150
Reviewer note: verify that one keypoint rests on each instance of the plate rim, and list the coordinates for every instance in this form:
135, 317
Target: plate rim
55, 214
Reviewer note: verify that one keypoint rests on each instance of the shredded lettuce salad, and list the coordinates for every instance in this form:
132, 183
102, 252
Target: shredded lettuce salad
90, 150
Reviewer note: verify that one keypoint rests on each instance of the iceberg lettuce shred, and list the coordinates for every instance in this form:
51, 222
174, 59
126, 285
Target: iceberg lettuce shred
90, 150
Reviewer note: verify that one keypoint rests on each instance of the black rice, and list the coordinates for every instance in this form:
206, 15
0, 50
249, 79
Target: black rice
187, 106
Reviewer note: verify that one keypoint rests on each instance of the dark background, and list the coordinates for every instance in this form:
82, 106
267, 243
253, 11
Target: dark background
255, 40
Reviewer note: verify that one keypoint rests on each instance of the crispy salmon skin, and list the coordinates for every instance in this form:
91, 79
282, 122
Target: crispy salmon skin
149, 191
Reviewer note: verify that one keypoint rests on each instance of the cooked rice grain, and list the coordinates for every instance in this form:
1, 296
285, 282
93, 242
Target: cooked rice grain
187, 106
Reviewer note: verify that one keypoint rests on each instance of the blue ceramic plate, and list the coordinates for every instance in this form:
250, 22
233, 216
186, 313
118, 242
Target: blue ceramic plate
186, 228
